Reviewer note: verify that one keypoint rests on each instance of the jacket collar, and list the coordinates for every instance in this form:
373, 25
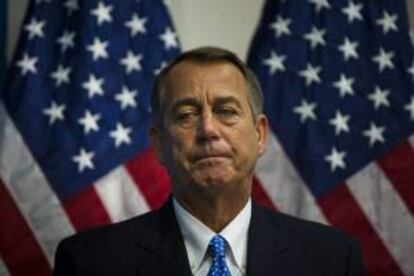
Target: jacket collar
267, 243
162, 241
162, 244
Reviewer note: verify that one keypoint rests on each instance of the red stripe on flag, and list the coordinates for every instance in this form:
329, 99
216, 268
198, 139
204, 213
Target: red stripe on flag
260, 196
151, 178
342, 211
398, 166
85, 210
18, 247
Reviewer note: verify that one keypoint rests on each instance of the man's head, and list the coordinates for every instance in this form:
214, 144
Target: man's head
209, 128
208, 55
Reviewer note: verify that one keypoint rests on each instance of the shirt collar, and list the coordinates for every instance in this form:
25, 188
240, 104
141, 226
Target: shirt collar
197, 235
236, 235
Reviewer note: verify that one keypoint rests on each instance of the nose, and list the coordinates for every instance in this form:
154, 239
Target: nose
208, 128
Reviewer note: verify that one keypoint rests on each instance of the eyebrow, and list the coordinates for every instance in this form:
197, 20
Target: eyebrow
185, 102
228, 99
194, 102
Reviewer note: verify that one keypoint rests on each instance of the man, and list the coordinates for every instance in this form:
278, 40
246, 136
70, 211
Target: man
209, 131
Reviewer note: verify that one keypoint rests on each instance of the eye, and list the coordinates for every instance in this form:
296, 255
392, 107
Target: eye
227, 114
185, 117
227, 111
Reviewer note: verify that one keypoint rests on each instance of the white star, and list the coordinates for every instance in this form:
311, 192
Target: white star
275, 62
410, 108
348, 49
126, 97
89, 121
281, 26
136, 24
410, 70
121, 135
27, 64
98, 49
311, 74
71, 6
66, 40
159, 69
374, 134
353, 11
320, 4
387, 22
102, 13
379, 97
344, 85
94, 86
384, 60
131, 62
84, 160
61, 75
169, 38
315, 37
35, 28
55, 112
306, 111
336, 159
340, 122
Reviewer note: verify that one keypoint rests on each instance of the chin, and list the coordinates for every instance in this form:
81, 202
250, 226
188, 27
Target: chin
217, 179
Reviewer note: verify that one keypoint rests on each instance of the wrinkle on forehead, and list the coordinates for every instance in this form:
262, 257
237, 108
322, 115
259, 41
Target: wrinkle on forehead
205, 81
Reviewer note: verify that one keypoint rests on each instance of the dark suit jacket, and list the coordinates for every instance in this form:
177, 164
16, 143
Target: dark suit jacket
152, 244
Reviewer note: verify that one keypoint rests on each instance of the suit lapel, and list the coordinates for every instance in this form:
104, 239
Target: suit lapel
267, 246
161, 246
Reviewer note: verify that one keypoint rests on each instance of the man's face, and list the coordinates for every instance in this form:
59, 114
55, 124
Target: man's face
209, 139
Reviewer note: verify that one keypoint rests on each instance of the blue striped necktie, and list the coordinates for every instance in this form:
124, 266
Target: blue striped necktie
217, 251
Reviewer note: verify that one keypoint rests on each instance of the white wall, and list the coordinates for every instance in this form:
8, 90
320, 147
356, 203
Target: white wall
226, 23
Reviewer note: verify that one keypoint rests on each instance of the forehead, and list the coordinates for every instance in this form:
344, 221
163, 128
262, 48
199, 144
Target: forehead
212, 78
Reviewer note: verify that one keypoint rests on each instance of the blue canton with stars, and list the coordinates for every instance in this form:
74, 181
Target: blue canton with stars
337, 81
79, 87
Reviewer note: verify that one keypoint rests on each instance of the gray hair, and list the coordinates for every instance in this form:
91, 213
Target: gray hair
205, 55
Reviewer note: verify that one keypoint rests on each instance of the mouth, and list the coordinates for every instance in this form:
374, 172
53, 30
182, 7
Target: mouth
209, 162
211, 157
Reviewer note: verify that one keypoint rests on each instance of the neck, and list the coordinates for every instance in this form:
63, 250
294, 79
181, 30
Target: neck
215, 211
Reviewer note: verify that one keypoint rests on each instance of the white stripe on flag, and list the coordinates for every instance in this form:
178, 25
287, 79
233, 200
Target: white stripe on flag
387, 213
120, 195
3, 269
411, 140
283, 184
30, 189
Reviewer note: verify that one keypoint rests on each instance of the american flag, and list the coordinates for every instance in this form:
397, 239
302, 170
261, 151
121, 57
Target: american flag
76, 107
337, 77
74, 117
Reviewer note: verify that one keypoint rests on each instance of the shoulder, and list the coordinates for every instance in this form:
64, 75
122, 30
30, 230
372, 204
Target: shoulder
112, 234
103, 249
311, 236
308, 248
301, 226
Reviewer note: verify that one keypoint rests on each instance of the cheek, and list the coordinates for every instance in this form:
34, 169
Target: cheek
245, 145
179, 146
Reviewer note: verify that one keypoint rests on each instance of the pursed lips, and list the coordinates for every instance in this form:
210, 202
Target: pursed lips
210, 156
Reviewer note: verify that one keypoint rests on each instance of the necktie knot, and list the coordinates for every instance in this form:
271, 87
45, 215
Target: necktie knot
217, 251
217, 246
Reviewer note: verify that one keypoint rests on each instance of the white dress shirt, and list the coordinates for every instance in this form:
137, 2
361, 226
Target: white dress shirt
197, 237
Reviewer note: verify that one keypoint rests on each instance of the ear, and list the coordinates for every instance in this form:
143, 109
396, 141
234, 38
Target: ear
156, 142
262, 131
